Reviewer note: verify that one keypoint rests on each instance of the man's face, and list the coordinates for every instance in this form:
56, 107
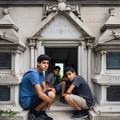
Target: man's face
56, 71
43, 65
71, 75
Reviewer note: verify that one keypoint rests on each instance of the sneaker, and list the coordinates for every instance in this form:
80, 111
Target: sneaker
63, 100
40, 118
80, 114
34, 115
42, 114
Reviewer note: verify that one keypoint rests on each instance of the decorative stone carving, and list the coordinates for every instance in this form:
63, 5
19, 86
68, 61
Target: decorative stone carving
62, 6
6, 11
2, 35
116, 34
111, 11
32, 41
89, 43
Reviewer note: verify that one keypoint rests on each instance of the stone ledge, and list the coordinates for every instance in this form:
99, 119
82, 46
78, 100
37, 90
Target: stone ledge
94, 116
59, 106
20, 116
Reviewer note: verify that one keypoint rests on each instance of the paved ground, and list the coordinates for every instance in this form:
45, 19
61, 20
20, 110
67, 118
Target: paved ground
60, 111
63, 115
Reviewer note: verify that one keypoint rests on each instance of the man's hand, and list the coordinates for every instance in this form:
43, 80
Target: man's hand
41, 94
69, 91
64, 94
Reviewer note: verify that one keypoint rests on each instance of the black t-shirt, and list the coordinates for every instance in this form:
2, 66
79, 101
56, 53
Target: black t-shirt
82, 89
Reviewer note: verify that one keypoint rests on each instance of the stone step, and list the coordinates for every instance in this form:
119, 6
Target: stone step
59, 106
60, 111
63, 115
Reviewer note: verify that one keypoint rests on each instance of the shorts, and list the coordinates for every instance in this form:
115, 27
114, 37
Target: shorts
35, 101
81, 102
58, 87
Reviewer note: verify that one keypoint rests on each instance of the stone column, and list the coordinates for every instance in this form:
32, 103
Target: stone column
79, 60
32, 48
89, 61
89, 64
83, 62
13, 53
103, 63
40, 49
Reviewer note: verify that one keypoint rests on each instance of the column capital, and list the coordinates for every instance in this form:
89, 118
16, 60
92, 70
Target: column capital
89, 43
32, 41
103, 52
83, 43
14, 52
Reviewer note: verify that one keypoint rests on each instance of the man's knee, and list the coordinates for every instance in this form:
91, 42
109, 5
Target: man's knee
67, 97
53, 89
52, 95
63, 83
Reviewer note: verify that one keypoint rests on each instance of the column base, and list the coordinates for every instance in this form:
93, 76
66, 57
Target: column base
108, 116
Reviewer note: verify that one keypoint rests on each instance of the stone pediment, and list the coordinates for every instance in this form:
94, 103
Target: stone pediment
7, 22
61, 25
9, 38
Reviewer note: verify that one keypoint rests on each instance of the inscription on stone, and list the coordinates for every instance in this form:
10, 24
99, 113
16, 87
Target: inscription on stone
114, 78
113, 94
4, 93
5, 61
3, 77
61, 27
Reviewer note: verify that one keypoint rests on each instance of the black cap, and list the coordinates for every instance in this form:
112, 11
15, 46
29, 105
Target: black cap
43, 57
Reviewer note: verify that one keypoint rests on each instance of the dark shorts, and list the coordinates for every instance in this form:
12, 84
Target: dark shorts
58, 87
35, 101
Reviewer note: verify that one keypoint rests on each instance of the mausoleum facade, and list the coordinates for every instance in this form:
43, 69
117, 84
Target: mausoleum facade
82, 33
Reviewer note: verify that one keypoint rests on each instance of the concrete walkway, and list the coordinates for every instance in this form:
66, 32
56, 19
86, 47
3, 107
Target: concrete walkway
60, 111
63, 115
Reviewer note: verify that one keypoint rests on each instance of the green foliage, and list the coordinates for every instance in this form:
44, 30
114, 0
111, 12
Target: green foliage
1, 112
9, 112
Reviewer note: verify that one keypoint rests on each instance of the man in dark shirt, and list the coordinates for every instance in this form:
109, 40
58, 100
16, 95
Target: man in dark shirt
79, 94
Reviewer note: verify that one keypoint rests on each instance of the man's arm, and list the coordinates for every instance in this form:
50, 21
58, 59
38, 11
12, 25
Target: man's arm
70, 89
64, 78
41, 94
46, 86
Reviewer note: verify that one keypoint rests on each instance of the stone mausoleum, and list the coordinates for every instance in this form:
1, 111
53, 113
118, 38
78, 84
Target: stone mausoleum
81, 33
